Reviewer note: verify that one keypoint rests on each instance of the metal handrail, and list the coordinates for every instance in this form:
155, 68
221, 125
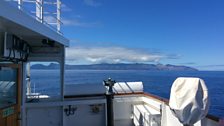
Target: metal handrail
54, 26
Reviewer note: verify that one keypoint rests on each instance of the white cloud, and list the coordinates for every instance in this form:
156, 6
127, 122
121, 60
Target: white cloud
110, 55
65, 21
65, 8
50, 19
78, 23
69, 22
92, 3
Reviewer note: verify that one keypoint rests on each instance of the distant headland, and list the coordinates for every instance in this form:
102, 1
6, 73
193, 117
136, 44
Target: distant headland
119, 66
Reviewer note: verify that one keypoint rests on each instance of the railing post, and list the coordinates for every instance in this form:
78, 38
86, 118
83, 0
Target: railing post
39, 10
58, 15
20, 4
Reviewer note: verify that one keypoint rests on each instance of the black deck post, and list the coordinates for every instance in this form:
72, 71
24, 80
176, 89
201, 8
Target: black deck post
110, 96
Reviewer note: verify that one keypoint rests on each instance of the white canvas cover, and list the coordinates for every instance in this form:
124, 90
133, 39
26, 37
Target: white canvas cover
189, 100
128, 87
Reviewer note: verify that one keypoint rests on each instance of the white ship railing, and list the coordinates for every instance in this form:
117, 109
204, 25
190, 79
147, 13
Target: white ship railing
130, 109
53, 19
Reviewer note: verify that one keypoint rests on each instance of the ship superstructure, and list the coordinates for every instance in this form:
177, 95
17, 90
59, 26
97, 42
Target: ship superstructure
25, 39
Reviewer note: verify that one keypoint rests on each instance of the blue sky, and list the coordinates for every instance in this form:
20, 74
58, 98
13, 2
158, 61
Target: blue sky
179, 32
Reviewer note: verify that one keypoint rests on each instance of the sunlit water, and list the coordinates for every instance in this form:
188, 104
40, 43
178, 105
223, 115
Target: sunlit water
157, 82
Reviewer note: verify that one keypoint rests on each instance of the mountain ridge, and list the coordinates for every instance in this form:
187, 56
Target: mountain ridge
119, 66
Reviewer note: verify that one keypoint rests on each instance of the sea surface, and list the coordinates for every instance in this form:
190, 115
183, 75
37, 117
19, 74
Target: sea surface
155, 82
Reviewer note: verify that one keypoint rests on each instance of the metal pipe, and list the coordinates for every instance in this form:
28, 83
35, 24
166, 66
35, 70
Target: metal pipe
110, 112
110, 96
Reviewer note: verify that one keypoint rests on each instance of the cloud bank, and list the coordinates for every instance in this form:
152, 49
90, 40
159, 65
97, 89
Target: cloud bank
95, 55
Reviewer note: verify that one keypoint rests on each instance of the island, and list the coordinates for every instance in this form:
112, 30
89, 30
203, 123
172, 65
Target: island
118, 66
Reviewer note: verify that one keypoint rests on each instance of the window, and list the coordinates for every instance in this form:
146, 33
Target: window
8, 86
43, 81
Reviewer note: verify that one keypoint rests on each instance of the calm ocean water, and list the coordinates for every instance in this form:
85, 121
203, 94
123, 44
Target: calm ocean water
157, 82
